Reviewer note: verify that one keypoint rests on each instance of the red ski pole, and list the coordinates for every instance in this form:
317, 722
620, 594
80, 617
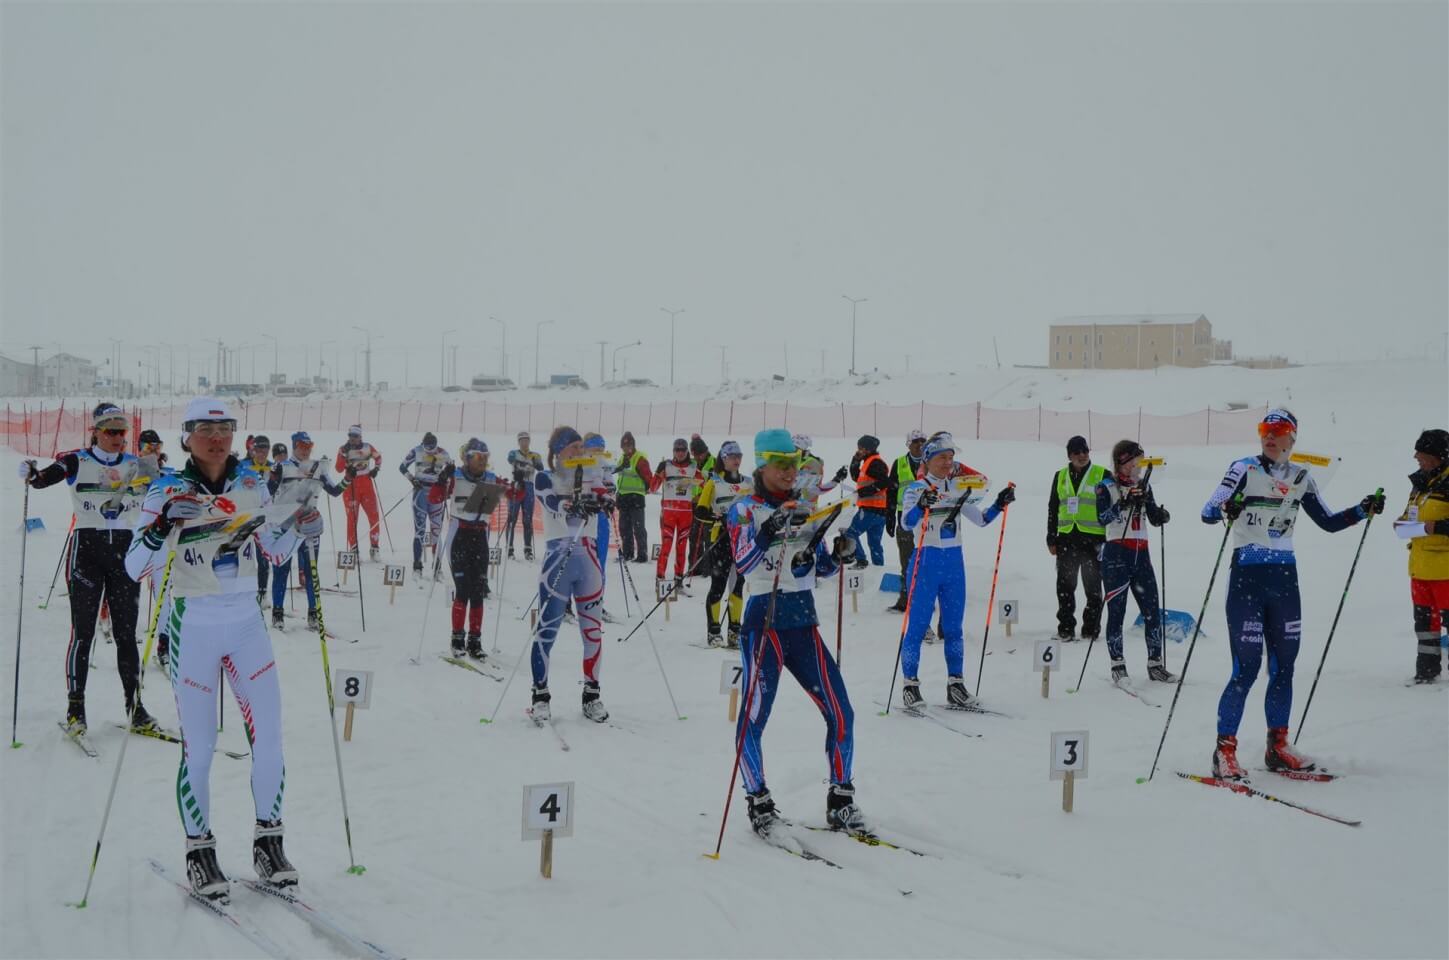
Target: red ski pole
991, 603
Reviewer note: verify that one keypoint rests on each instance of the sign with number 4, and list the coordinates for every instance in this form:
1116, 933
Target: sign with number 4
353, 687
548, 807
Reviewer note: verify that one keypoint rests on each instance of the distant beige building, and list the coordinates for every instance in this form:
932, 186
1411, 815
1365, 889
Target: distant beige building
1134, 342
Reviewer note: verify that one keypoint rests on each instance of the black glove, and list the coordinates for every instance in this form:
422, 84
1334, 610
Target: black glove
891, 524
1372, 504
373, 471
801, 559
1161, 518
1233, 508
350, 474
415, 482
772, 526
1133, 497
843, 548
839, 475
1005, 497
930, 496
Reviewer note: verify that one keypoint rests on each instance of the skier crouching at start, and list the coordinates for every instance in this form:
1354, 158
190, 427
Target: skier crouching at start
1261, 496
937, 573
215, 627
770, 542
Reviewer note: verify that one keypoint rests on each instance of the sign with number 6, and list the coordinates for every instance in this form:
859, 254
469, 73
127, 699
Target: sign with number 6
1046, 655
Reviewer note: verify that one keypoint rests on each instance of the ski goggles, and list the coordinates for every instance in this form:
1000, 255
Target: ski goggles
213, 428
1276, 428
112, 431
785, 461
150, 446
1129, 455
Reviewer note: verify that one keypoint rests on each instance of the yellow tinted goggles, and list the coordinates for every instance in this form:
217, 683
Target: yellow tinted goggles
785, 461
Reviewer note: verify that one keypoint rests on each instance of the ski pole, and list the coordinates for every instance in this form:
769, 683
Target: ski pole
130, 719
650, 634
1162, 557
906, 615
502, 582
20, 616
69, 536
427, 610
357, 564
668, 594
354, 867
1329, 642
750, 685
1196, 631
624, 576
991, 601
389, 510
332, 539
839, 612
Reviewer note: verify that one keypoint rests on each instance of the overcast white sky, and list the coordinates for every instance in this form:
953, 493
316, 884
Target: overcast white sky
177, 173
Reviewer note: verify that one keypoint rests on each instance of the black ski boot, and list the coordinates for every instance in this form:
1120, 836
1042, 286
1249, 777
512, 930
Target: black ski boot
268, 858
528, 554
732, 638
311, 619
593, 706
510, 554
373, 553
279, 618
1119, 671
763, 816
713, 639
911, 699
1065, 636
457, 643
75, 714
540, 709
475, 646
1156, 671
956, 695
163, 652
841, 812
1426, 668
202, 870
141, 719
417, 568
899, 606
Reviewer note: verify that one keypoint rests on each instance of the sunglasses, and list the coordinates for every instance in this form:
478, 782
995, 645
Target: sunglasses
782, 460
113, 431
1277, 428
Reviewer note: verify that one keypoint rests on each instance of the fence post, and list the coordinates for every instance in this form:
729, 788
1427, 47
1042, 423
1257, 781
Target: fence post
978, 420
842, 419
1208, 423
674, 419
1139, 426
730, 430
1038, 422
438, 420
1089, 430
875, 418
461, 407
922, 424
786, 424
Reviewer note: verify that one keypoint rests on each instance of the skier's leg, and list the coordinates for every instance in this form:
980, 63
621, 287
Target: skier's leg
305, 551
1091, 569
349, 506
280, 577
681, 546
1245, 611
528, 498
587, 589
368, 498
666, 540
1144, 589
952, 595
420, 521
551, 605
759, 698
195, 655
814, 668
1116, 576
923, 607
123, 595
251, 671
1282, 631
87, 586
1068, 560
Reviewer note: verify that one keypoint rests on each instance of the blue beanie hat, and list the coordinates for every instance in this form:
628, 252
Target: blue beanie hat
730, 449
594, 443
474, 444
301, 436
939, 444
566, 436
775, 440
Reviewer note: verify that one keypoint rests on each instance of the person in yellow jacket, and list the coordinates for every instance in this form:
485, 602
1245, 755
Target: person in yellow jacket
720, 492
1425, 524
1075, 536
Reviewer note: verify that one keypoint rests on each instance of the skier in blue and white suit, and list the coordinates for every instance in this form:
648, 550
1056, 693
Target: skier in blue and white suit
572, 568
769, 540
600, 479
937, 570
1261, 496
422, 467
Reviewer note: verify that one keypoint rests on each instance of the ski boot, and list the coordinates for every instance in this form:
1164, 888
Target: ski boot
75, 715
911, 699
438, 573
487, 591
202, 870
262, 599
1281, 757
593, 706
417, 569
475, 646
311, 619
763, 816
279, 619
606, 616
373, 553
841, 811
1066, 636
511, 555
456, 643
1089, 636
681, 589
528, 554
268, 858
163, 652
713, 639
141, 719
732, 638
860, 564
956, 695
540, 709
899, 606
1156, 671
1225, 759
1119, 671
1426, 668
929, 636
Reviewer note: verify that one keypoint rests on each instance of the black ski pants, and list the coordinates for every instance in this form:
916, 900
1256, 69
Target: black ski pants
97, 573
633, 534
1078, 557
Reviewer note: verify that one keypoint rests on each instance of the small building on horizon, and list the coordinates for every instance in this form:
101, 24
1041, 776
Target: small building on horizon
1135, 342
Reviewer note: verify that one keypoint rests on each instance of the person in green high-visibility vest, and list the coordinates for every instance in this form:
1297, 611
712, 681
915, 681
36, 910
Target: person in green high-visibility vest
632, 478
1074, 537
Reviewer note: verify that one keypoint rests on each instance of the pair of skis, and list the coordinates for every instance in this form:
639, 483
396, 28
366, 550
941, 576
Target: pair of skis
1246, 790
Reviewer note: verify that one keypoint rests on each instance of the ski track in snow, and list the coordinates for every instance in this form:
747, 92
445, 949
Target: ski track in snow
1161, 869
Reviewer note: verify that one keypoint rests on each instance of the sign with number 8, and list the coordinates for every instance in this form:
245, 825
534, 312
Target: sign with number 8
354, 687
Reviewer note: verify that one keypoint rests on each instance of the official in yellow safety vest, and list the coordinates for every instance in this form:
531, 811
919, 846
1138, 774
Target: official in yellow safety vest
1074, 537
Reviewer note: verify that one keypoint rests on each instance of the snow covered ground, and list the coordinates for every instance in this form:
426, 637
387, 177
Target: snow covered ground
1168, 868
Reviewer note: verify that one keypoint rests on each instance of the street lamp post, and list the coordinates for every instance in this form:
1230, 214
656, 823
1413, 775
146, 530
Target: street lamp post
854, 301
502, 353
602, 344
443, 358
614, 369
366, 355
672, 315
322, 360
276, 353
537, 342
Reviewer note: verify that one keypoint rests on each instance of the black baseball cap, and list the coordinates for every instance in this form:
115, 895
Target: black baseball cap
1078, 445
